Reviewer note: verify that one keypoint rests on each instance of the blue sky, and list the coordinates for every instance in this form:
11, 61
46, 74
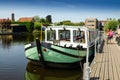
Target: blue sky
74, 10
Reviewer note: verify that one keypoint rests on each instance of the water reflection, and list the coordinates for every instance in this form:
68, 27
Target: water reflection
7, 40
34, 72
12, 56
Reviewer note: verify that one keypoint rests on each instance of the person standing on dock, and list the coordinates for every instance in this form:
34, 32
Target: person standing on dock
109, 35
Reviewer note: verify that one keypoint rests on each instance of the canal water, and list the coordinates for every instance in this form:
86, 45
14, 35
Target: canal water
14, 65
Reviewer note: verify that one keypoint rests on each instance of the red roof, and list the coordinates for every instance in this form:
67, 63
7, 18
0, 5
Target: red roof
5, 20
26, 19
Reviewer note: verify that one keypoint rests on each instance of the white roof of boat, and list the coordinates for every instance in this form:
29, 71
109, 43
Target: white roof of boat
81, 27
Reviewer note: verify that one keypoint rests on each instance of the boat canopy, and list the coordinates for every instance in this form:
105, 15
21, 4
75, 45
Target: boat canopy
68, 35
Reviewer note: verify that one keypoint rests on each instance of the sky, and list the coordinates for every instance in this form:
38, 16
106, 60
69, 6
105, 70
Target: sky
74, 10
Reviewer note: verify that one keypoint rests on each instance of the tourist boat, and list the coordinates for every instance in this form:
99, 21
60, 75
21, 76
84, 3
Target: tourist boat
64, 46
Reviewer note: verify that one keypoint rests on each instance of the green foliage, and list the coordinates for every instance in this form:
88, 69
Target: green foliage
37, 25
30, 26
118, 20
68, 22
81, 24
20, 23
42, 20
36, 18
48, 19
112, 24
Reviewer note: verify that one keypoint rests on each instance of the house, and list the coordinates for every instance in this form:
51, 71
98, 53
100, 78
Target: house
91, 23
4, 21
26, 19
4, 24
103, 22
21, 27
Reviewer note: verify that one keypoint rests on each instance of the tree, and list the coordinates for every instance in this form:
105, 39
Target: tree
42, 20
67, 22
29, 26
49, 19
36, 18
119, 20
81, 24
112, 24
37, 25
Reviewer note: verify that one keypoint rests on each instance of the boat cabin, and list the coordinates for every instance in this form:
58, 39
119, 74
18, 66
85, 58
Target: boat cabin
70, 36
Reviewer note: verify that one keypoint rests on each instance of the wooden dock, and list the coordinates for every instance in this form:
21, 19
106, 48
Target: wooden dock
107, 63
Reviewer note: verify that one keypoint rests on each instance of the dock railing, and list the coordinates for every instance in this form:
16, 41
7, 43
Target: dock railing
98, 45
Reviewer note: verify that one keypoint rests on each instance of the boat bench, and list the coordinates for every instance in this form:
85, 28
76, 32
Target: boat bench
56, 42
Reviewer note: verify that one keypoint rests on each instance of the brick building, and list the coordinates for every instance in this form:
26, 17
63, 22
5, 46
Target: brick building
91, 23
4, 24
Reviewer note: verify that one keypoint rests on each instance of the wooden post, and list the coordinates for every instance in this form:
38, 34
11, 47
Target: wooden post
39, 50
41, 34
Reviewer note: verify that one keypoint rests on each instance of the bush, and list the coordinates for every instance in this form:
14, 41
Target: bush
30, 26
37, 25
111, 25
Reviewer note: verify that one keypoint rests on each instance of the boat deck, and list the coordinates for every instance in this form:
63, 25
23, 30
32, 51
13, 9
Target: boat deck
107, 63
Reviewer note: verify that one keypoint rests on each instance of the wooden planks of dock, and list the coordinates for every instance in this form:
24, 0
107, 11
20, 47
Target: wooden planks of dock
107, 63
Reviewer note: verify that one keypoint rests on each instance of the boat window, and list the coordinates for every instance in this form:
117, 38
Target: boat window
64, 35
51, 35
78, 36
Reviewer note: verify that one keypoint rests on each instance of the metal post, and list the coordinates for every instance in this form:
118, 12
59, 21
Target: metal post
98, 47
86, 74
95, 50
87, 63
98, 43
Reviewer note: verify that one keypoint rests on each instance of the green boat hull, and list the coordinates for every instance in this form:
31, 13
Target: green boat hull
32, 54
58, 56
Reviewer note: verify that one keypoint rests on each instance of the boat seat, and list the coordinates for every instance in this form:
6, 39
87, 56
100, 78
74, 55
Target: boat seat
68, 45
71, 45
56, 42
65, 45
